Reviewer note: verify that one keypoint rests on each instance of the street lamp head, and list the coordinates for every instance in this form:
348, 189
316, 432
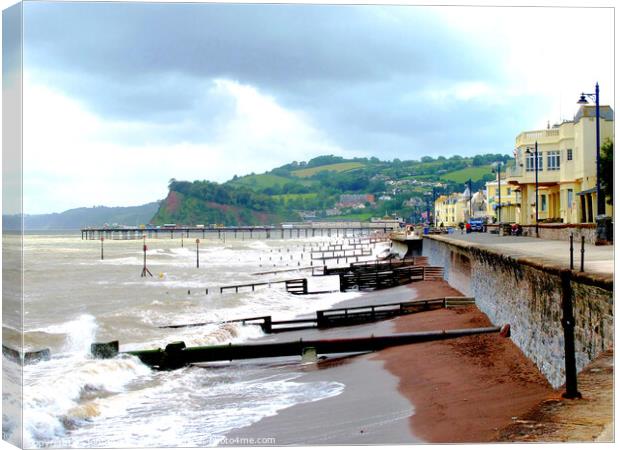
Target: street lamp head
582, 100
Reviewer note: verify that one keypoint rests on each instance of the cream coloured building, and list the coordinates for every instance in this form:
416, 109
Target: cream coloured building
509, 201
566, 169
455, 208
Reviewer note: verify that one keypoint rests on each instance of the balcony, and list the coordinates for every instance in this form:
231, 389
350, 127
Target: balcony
542, 136
514, 171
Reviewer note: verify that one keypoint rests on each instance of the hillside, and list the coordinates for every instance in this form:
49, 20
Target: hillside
74, 219
339, 167
474, 173
203, 202
316, 189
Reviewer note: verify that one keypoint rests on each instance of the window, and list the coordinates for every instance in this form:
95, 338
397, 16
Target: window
508, 192
553, 160
543, 202
569, 154
529, 162
569, 198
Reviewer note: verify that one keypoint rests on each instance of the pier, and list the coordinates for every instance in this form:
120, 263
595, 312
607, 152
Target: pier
315, 229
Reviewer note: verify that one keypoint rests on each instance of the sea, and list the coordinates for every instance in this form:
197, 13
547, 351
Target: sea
73, 298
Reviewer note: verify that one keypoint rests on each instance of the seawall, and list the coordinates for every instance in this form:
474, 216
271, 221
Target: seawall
526, 293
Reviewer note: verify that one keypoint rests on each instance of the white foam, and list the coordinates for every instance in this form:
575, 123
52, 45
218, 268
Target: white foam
80, 333
201, 406
52, 389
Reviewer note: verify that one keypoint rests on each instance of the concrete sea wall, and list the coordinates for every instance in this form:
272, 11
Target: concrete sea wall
527, 295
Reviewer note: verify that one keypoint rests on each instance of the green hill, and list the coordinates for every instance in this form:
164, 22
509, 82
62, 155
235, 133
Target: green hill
339, 167
475, 173
261, 181
314, 187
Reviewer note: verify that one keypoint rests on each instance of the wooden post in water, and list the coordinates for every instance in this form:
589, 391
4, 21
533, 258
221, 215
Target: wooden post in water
101, 248
145, 270
197, 254
181, 239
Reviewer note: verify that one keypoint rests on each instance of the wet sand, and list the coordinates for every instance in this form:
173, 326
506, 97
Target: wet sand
370, 410
465, 389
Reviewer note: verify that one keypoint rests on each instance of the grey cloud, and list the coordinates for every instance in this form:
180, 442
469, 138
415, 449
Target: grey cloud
355, 70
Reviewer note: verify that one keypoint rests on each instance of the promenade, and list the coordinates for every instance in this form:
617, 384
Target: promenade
597, 259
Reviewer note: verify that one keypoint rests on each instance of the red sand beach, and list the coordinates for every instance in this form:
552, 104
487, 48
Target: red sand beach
461, 390
466, 389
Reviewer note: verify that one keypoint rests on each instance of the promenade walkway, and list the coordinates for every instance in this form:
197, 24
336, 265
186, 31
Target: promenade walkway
597, 259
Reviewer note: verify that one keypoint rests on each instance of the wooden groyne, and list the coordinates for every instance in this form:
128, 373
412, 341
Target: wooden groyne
372, 266
295, 286
339, 254
176, 355
384, 279
347, 316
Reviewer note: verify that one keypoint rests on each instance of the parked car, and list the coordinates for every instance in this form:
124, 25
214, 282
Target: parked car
476, 224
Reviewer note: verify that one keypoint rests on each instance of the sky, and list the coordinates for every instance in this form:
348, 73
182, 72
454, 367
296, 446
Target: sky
119, 98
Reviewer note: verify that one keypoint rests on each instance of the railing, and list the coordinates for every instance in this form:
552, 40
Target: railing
531, 136
514, 171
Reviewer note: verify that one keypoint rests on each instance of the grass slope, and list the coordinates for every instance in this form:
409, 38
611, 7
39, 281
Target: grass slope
261, 181
463, 175
339, 167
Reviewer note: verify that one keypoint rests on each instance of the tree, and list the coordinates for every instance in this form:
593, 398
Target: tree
607, 169
478, 161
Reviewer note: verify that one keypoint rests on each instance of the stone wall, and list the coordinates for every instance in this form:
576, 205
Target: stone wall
528, 297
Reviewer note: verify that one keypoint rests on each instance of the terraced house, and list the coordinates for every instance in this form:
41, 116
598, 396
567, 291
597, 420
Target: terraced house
566, 169
452, 209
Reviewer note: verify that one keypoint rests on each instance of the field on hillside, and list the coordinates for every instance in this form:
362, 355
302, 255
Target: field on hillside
289, 197
261, 181
340, 167
463, 175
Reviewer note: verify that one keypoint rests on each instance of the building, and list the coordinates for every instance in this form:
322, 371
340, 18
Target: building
566, 169
354, 200
455, 208
449, 210
509, 202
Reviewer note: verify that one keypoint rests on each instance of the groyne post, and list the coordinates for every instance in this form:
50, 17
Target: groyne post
568, 323
145, 270
197, 254
101, 248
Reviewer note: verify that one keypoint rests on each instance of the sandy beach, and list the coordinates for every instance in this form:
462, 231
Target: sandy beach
465, 389
461, 390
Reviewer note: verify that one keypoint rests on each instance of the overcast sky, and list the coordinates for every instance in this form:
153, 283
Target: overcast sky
120, 97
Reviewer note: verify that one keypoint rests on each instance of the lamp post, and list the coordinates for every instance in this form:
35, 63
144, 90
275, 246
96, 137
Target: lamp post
600, 200
498, 166
529, 152
470, 197
434, 209
428, 207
